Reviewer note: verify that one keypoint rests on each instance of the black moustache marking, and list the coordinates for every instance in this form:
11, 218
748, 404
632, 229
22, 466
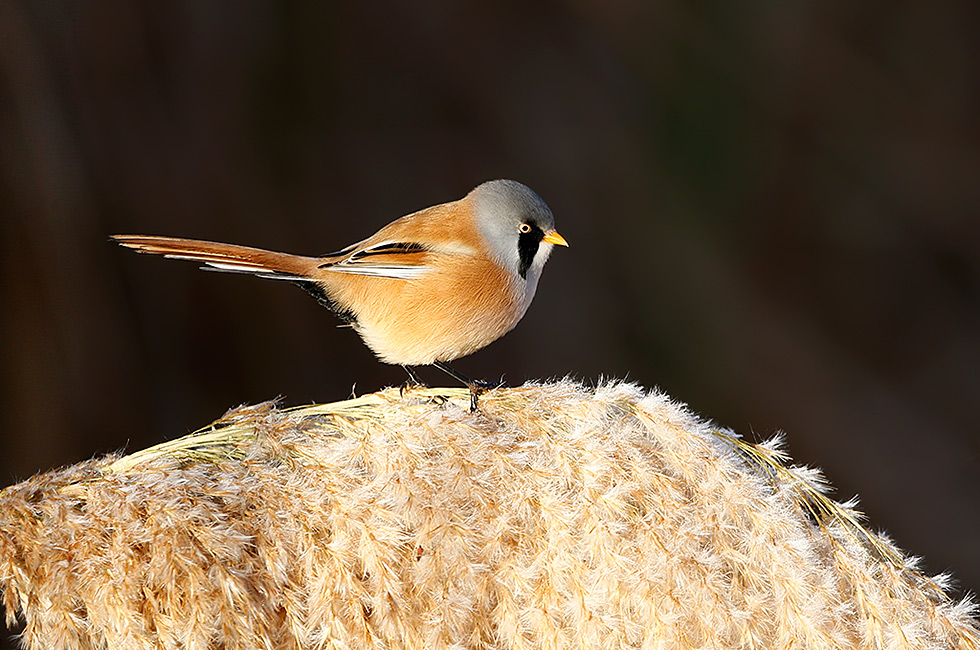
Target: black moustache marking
528, 244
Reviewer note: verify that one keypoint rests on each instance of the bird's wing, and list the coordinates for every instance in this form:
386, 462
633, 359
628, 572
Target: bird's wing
408, 247
386, 259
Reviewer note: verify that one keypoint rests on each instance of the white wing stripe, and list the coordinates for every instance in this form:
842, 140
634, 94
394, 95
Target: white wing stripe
380, 271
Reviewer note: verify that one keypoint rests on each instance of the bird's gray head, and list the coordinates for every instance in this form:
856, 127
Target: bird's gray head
517, 225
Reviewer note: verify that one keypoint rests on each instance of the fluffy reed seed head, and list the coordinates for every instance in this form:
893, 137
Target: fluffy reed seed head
554, 517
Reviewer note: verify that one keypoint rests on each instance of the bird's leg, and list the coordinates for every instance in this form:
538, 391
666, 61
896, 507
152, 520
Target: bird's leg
413, 377
477, 387
413, 381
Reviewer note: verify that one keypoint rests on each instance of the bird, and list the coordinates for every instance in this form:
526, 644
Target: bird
426, 289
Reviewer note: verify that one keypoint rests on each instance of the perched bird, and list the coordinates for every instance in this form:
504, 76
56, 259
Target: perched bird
430, 287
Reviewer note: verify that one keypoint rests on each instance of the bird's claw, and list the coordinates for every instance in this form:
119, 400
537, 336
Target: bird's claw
478, 387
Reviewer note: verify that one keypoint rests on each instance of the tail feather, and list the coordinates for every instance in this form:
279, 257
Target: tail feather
224, 257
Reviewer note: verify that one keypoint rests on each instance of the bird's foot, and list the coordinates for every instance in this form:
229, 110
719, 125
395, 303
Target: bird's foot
483, 385
478, 387
413, 381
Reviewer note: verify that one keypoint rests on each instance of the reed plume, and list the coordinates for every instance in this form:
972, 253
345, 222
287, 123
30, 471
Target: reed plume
554, 517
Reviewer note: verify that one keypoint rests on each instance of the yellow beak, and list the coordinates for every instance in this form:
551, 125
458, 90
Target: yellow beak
554, 238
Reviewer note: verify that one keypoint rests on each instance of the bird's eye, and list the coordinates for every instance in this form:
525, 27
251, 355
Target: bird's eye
524, 228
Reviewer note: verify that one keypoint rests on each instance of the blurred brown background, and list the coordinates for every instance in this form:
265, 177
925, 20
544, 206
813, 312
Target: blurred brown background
772, 209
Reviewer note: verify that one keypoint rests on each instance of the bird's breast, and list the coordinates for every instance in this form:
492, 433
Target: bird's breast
459, 305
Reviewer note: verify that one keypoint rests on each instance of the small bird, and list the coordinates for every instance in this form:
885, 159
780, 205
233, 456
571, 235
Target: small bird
429, 287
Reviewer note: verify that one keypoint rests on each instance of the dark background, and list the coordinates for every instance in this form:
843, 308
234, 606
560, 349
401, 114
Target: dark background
772, 209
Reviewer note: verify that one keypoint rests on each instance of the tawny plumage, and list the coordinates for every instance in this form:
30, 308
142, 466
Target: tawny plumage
427, 288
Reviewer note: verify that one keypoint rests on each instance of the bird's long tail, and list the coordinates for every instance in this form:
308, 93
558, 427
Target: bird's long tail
224, 257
